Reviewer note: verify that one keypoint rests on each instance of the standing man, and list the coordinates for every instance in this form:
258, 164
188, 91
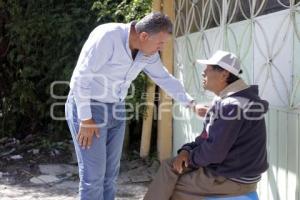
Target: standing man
111, 58
230, 154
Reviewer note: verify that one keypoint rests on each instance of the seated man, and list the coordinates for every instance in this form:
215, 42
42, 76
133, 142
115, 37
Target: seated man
229, 156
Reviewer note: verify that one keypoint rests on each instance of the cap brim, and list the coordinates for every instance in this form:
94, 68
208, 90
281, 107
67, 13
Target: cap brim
206, 62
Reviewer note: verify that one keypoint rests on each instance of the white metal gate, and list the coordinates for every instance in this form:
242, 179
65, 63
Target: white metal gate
266, 37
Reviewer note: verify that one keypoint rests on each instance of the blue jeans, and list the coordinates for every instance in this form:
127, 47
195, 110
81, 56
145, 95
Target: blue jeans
99, 165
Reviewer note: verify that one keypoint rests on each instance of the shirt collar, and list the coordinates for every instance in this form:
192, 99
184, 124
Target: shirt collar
127, 37
232, 88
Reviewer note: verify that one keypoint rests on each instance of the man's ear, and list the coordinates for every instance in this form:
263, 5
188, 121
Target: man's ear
225, 75
143, 36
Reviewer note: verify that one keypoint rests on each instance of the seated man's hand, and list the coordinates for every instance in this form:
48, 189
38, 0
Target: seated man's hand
181, 161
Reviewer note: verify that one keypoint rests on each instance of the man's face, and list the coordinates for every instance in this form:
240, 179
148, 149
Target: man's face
150, 44
214, 80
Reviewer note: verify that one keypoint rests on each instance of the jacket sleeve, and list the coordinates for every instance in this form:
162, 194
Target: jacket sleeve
160, 75
188, 147
223, 132
95, 53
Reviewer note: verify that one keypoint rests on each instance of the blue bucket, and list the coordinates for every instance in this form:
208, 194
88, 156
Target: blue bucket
248, 196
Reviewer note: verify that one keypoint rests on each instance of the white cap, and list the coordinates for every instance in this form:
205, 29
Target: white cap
224, 59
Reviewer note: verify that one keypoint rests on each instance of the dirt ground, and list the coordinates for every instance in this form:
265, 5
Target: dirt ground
53, 175
64, 191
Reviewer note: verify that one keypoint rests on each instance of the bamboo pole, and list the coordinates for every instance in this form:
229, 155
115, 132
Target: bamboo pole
147, 122
156, 5
165, 129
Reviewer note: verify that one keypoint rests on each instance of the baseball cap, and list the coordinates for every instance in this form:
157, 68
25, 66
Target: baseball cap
225, 60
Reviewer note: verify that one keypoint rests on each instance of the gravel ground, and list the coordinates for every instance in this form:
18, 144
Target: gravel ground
29, 171
68, 192
16, 184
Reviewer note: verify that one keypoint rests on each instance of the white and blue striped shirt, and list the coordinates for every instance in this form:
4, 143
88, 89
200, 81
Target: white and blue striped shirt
105, 70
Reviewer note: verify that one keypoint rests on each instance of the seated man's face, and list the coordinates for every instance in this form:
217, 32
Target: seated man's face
214, 80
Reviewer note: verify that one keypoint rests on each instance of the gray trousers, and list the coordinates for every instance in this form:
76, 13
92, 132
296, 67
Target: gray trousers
192, 185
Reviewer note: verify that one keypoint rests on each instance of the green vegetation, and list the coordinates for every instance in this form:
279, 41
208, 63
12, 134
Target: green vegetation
39, 43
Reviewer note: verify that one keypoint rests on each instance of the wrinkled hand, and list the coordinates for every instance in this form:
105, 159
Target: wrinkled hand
200, 109
86, 132
181, 161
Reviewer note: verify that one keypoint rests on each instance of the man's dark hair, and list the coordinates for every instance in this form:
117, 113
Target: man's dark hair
231, 78
154, 23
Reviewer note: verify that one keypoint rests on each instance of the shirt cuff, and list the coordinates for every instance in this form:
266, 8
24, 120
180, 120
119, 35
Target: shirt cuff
191, 104
84, 111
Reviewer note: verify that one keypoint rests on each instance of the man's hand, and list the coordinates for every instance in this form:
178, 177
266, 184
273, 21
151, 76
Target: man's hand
200, 109
87, 130
181, 161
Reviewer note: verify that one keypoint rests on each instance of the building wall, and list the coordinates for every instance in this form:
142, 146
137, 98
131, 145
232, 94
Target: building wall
265, 35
